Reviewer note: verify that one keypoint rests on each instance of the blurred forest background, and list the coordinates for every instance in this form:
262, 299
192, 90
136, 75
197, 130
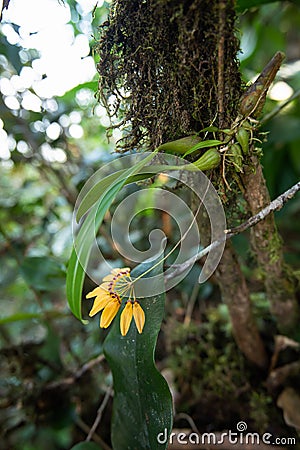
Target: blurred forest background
52, 138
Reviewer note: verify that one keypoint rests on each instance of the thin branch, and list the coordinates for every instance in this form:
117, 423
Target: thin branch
275, 205
280, 107
99, 414
191, 304
78, 374
96, 438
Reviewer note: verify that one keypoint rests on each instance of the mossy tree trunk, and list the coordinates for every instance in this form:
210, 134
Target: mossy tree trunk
280, 283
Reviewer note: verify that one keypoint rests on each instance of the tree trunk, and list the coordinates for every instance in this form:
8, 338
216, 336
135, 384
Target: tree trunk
267, 249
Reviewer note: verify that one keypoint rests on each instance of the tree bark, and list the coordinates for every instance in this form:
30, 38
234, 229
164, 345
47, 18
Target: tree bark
267, 249
235, 294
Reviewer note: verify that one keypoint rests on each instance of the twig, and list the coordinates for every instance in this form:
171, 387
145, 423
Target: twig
191, 304
280, 107
96, 438
80, 372
189, 419
275, 205
99, 413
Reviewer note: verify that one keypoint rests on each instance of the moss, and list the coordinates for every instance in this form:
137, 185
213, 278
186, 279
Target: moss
201, 364
274, 247
261, 409
160, 66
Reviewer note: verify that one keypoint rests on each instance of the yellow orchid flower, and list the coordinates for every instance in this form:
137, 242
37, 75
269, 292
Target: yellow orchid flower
126, 318
108, 297
132, 309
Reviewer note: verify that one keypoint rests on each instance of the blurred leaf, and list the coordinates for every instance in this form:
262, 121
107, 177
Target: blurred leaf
50, 350
95, 193
86, 446
295, 155
142, 405
98, 189
247, 4
70, 95
43, 273
211, 129
28, 316
12, 53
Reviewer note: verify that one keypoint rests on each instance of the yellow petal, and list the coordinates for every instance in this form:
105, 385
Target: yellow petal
99, 303
109, 277
97, 291
126, 318
109, 313
105, 286
139, 316
119, 271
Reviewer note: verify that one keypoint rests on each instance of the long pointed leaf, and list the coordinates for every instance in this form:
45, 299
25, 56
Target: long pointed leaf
203, 144
83, 243
93, 195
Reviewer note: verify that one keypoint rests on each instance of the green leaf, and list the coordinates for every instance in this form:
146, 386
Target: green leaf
142, 406
28, 316
211, 129
203, 144
93, 195
86, 446
247, 4
51, 349
83, 243
43, 273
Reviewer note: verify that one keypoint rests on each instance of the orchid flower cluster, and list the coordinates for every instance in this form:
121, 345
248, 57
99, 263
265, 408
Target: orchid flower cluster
108, 297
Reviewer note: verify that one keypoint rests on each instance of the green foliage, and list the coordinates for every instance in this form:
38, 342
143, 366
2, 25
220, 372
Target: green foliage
43, 273
243, 5
197, 348
260, 404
